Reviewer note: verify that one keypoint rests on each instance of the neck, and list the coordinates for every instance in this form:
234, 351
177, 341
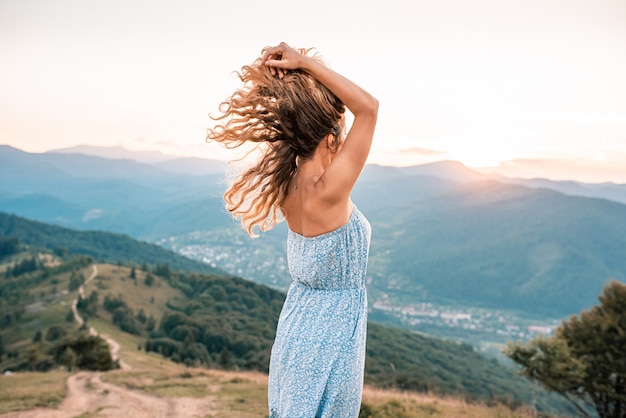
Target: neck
318, 163
311, 169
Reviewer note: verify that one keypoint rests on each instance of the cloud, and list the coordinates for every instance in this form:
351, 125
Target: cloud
421, 151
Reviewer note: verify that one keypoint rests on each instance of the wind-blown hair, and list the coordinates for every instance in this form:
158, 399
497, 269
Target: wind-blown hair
288, 118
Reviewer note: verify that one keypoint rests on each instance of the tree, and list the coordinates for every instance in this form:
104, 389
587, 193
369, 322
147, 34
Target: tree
141, 316
133, 274
25, 266
91, 352
93, 297
8, 246
151, 323
68, 358
55, 332
76, 280
163, 270
585, 359
149, 279
224, 359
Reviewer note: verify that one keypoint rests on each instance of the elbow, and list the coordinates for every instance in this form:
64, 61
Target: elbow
367, 107
371, 108
374, 106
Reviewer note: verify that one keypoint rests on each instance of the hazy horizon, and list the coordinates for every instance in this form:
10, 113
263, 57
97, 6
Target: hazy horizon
154, 156
532, 89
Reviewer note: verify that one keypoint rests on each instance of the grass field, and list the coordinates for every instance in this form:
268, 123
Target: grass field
233, 394
52, 305
115, 280
23, 391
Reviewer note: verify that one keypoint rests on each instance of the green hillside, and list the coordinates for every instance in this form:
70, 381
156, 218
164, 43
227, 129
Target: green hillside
218, 321
100, 245
476, 244
501, 246
441, 233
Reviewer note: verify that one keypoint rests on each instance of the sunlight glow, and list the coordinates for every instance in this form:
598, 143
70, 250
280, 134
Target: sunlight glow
483, 82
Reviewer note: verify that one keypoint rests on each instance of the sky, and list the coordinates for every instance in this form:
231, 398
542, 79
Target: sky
532, 88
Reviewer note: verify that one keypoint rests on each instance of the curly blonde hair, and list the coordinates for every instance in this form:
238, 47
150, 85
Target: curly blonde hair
287, 118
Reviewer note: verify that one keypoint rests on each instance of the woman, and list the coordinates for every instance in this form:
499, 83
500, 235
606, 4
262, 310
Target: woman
293, 105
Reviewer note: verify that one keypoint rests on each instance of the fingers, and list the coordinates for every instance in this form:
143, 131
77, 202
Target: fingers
273, 52
276, 67
275, 64
278, 63
277, 59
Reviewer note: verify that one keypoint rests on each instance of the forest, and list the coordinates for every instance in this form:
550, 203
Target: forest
216, 321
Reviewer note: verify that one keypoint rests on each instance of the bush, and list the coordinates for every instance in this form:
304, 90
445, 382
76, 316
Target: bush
55, 332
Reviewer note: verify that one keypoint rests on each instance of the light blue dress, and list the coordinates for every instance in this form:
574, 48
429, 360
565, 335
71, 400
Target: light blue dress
318, 356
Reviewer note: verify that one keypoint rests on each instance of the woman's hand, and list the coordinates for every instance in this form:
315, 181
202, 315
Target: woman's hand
282, 58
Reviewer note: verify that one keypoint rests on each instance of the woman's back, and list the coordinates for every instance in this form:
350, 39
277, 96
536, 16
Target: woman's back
309, 215
334, 260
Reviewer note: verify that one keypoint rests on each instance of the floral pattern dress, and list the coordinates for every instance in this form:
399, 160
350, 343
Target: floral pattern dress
318, 356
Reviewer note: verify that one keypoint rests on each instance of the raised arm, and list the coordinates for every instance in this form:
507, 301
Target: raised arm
341, 175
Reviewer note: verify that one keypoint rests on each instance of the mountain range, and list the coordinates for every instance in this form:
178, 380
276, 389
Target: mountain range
441, 232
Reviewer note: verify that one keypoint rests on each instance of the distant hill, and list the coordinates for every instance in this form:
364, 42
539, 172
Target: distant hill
115, 153
182, 165
484, 244
89, 192
31, 165
100, 245
457, 172
440, 231
609, 191
499, 246
449, 170
193, 166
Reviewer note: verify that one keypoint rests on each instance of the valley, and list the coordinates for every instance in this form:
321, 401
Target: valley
461, 263
263, 261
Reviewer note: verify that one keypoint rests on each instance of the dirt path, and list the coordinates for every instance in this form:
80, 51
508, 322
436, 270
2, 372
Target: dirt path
114, 347
81, 292
88, 394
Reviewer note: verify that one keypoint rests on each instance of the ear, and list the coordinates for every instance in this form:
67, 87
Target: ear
330, 139
332, 143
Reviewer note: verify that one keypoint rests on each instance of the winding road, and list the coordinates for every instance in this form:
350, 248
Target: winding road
114, 347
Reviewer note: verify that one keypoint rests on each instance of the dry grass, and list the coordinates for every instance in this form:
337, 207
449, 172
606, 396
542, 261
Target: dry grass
237, 394
394, 404
23, 391
115, 280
